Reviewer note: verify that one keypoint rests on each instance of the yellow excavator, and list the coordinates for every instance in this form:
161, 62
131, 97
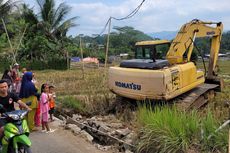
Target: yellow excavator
148, 76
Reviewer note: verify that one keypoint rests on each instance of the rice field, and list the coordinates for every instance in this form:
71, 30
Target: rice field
90, 93
89, 89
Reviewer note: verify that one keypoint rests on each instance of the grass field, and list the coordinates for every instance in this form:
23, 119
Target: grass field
223, 66
165, 129
91, 91
91, 94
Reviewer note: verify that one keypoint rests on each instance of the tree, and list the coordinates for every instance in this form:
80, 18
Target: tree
225, 42
48, 27
6, 7
5, 10
53, 19
13, 29
204, 44
124, 39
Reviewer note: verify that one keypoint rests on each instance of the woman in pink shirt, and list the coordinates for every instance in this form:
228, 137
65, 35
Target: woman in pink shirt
44, 105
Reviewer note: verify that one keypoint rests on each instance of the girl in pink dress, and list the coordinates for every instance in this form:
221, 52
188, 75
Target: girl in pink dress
44, 105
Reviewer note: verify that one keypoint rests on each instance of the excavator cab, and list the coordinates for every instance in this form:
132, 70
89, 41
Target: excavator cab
156, 49
149, 55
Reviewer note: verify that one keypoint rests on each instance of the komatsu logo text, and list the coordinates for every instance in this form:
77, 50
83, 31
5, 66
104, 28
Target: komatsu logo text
132, 86
211, 33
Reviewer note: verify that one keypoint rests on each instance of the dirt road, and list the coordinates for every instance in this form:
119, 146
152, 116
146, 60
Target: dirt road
60, 141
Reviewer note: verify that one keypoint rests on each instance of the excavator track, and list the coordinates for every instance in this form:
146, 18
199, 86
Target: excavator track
197, 97
191, 100
194, 99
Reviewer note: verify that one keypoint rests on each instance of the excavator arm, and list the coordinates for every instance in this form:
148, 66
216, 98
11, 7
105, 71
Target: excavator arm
181, 48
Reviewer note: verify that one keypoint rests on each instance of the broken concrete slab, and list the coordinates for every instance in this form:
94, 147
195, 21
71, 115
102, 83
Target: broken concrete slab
86, 135
123, 132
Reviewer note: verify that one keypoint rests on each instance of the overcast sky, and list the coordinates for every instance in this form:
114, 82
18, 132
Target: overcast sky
154, 15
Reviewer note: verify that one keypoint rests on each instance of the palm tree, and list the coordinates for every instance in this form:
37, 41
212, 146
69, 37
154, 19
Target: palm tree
52, 20
29, 16
6, 7
48, 26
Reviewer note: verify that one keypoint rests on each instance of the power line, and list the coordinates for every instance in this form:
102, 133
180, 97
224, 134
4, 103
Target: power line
134, 12
103, 30
131, 14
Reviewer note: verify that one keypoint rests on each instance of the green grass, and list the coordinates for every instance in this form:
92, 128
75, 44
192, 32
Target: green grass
73, 103
169, 130
223, 66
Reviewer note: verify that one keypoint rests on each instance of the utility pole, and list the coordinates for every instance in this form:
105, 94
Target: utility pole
228, 127
14, 50
20, 42
8, 38
107, 43
83, 76
67, 60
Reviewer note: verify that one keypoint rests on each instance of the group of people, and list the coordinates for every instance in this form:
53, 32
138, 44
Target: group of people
13, 78
22, 89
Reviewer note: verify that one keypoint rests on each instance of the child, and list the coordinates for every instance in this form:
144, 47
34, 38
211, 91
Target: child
51, 102
44, 105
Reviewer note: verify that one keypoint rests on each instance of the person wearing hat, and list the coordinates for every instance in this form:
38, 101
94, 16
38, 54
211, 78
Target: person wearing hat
15, 71
16, 78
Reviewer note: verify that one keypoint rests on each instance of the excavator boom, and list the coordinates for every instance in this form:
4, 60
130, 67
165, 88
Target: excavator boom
181, 48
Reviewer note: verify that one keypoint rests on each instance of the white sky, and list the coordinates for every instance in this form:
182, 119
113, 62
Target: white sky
154, 16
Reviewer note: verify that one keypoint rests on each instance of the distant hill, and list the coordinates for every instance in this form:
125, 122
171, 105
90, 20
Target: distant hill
169, 35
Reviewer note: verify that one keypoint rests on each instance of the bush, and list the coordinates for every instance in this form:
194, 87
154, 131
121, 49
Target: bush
170, 130
56, 64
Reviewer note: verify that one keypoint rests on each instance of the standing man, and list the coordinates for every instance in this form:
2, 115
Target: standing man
7, 100
15, 71
16, 78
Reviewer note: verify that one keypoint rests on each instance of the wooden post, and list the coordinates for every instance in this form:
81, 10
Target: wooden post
8, 38
14, 51
67, 60
229, 141
82, 58
20, 41
107, 43
228, 128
